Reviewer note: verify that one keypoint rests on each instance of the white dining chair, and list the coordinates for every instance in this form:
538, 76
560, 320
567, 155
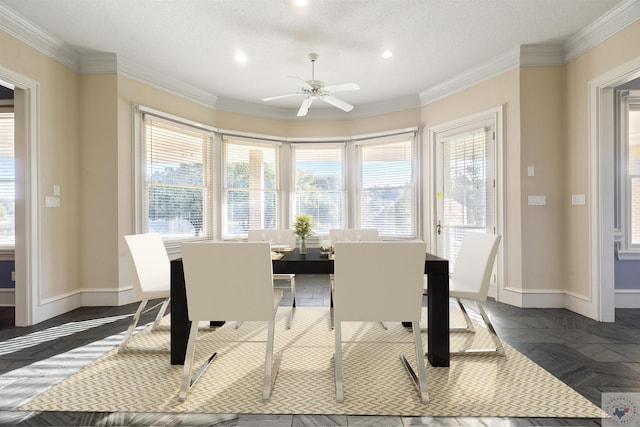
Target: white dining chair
220, 285
283, 239
152, 280
470, 281
352, 235
379, 281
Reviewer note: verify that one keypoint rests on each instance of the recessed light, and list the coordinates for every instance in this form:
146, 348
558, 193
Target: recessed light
240, 57
301, 3
387, 54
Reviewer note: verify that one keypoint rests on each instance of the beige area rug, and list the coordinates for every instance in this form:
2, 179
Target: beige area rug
375, 380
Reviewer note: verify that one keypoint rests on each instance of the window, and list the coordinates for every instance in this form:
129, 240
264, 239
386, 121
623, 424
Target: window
176, 179
250, 186
628, 180
319, 184
197, 182
387, 182
7, 181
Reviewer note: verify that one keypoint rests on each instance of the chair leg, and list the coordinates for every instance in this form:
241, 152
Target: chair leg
185, 384
292, 284
187, 381
467, 319
499, 348
271, 365
469, 328
132, 325
161, 312
419, 381
337, 363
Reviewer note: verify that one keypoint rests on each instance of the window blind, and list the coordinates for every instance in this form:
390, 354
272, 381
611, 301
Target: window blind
387, 187
7, 180
251, 190
465, 188
177, 180
319, 184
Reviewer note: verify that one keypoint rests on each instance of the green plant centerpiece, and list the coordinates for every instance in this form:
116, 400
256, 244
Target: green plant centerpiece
303, 228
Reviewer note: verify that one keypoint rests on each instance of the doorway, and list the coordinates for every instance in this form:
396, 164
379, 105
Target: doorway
466, 194
7, 208
26, 145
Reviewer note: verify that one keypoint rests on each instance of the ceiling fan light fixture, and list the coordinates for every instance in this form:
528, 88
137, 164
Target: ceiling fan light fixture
315, 89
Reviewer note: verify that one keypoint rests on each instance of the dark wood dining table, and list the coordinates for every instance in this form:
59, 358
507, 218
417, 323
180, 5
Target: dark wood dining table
315, 262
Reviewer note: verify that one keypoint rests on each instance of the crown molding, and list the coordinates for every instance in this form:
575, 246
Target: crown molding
492, 68
178, 87
602, 28
23, 30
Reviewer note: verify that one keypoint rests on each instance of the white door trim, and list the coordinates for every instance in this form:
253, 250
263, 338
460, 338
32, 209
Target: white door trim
601, 195
497, 114
27, 250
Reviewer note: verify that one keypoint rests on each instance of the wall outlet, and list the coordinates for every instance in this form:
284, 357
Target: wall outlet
13, 276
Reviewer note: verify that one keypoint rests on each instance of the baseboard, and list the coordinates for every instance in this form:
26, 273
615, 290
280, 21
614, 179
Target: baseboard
627, 298
7, 297
61, 304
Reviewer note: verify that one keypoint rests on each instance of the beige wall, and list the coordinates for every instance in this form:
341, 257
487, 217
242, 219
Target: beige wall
542, 146
98, 181
611, 53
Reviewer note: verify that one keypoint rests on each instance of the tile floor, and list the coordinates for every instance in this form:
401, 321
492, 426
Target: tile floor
589, 356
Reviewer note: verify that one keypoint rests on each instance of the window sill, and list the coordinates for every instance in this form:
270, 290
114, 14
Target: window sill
628, 255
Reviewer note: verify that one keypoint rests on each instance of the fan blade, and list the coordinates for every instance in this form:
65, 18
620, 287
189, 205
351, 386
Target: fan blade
271, 98
337, 103
304, 108
304, 82
342, 87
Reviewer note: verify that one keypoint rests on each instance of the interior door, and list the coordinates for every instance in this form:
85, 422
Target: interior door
465, 186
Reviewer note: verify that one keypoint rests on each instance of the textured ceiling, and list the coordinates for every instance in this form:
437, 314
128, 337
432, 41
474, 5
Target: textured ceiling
194, 41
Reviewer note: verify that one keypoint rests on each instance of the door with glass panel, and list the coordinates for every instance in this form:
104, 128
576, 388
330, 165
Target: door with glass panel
465, 186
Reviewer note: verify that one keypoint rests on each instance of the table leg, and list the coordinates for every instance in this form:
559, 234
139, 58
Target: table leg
180, 323
438, 319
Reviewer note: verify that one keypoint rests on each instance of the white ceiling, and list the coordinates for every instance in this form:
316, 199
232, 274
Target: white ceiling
193, 42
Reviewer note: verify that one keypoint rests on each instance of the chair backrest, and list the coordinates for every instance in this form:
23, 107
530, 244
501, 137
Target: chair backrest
275, 236
150, 262
228, 280
378, 281
354, 235
475, 262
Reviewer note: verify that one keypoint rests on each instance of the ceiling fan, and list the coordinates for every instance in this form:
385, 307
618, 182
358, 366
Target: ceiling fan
313, 89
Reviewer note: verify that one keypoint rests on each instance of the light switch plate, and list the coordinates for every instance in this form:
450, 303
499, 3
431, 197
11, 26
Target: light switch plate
531, 171
52, 202
577, 199
537, 200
